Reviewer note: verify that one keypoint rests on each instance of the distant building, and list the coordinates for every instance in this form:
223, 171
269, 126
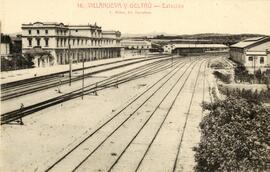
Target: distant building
4, 49
16, 44
167, 49
76, 42
5, 46
10, 45
253, 53
136, 46
186, 49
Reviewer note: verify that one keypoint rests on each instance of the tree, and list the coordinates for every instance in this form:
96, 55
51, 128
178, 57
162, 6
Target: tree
259, 76
38, 53
235, 137
14, 62
241, 73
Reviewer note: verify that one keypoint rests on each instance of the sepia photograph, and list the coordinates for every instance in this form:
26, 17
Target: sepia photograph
135, 86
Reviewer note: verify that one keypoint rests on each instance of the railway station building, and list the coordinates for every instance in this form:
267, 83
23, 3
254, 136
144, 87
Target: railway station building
63, 42
253, 53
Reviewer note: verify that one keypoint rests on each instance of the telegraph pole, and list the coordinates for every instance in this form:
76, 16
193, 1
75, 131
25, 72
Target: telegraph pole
69, 58
82, 74
254, 63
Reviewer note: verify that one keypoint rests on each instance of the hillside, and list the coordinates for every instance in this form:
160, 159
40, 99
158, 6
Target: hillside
215, 38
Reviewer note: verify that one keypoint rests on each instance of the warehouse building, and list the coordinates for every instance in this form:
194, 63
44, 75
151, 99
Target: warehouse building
192, 49
136, 46
63, 42
253, 53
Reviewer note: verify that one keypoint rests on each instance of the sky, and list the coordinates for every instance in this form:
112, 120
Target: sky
143, 16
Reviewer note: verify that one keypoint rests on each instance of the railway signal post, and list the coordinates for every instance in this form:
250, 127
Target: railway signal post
20, 119
116, 83
59, 86
95, 92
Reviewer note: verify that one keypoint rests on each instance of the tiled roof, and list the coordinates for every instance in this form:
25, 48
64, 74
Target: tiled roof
248, 42
254, 38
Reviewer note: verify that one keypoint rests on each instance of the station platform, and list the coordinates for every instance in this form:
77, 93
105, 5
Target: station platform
16, 75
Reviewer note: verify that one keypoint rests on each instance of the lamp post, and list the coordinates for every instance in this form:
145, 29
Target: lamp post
172, 61
69, 59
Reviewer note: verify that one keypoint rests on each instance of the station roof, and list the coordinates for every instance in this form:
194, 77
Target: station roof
250, 42
199, 46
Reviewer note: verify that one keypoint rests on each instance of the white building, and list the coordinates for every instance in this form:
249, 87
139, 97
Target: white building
167, 49
4, 49
4, 45
135, 47
253, 53
62, 41
136, 44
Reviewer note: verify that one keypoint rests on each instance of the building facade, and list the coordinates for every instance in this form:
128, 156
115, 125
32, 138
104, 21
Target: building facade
253, 53
136, 46
69, 42
167, 49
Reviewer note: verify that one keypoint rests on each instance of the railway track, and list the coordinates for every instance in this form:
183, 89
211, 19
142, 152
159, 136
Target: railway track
156, 132
144, 160
186, 120
32, 85
26, 81
125, 125
123, 77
